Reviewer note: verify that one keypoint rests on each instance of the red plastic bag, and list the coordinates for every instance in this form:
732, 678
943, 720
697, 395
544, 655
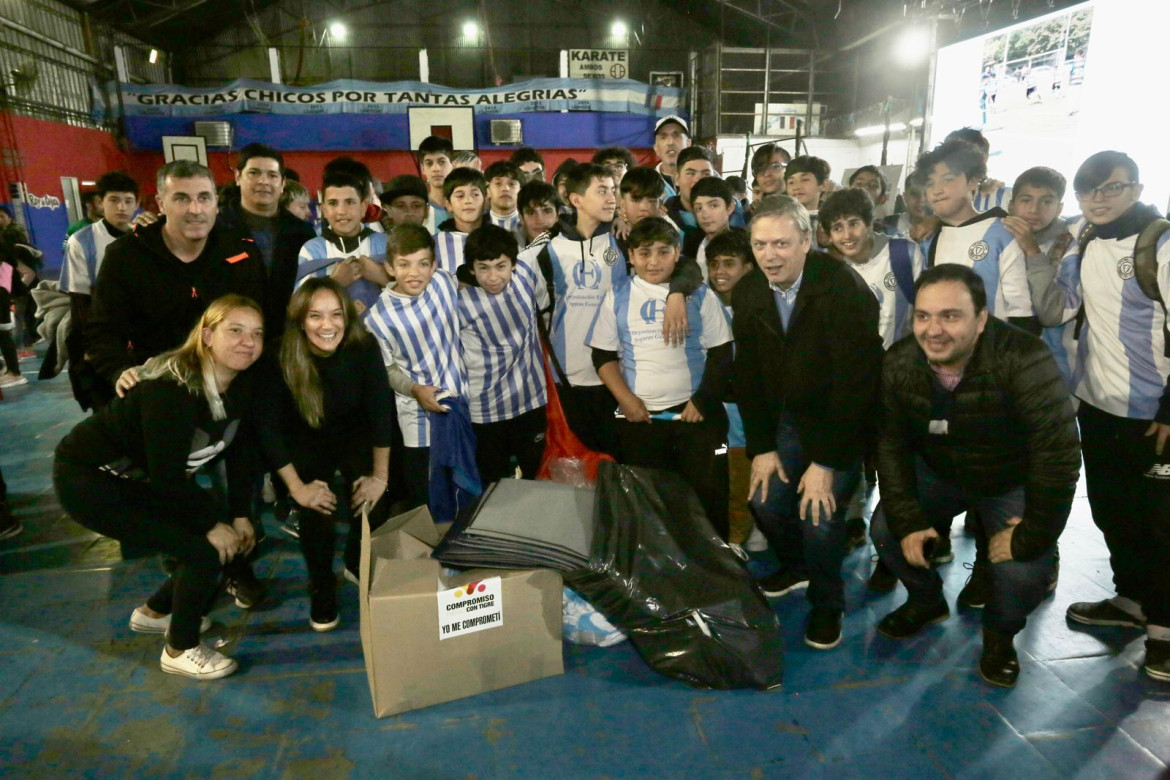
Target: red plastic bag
560, 441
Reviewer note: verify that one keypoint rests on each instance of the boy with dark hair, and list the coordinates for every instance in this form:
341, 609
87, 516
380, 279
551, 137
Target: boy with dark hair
914, 197
739, 189
804, 179
416, 324
348, 250
729, 259
347, 166
992, 193
580, 263
681, 391
84, 252
768, 164
530, 162
871, 179
503, 182
695, 164
951, 174
1114, 285
714, 208
434, 163
641, 194
498, 306
563, 171
465, 191
618, 159
404, 200
888, 266
539, 209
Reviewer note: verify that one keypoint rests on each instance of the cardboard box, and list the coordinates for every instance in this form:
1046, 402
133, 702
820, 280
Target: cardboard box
498, 628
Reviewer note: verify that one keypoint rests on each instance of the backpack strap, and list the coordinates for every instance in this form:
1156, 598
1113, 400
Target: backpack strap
902, 264
1145, 269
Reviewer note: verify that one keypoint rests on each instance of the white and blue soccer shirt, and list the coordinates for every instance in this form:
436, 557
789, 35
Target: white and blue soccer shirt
890, 272
320, 255
583, 272
510, 223
84, 252
629, 322
998, 199
421, 335
1121, 366
988, 248
501, 346
449, 250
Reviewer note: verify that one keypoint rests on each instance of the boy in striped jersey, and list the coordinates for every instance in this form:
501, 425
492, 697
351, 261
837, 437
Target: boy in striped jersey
465, 190
670, 400
951, 174
84, 251
434, 164
416, 323
1115, 282
346, 248
503, 187
498, 307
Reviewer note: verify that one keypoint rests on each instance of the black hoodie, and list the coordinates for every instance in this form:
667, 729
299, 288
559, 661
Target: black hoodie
147, 300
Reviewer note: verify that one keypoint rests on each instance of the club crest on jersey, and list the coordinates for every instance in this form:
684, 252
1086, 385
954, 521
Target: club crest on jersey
587, 275
977, 251
1125, 268
890, 282
610, 256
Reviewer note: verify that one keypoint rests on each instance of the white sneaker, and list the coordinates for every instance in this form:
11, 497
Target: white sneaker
13, 380
143, 623
756, 541
198, 663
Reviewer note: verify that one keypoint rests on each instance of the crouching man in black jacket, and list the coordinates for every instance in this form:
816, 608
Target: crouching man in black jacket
976, 417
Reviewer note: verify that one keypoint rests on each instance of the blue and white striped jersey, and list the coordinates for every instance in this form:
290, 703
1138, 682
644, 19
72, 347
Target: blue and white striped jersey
421, 335
510, 223
987, 247
501, 346
629, 322
998, 199
583, 271
84, 252
320, 255
892, 287
449, 250
1121, 366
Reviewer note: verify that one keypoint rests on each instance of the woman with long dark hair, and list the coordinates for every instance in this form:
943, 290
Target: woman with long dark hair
332, 411
128, 473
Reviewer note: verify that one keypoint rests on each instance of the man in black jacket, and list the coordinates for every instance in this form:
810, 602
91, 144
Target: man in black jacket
278, 234
155, 283
976, 417
806, 368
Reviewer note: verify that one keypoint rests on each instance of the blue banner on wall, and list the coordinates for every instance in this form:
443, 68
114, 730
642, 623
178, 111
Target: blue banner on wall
345, 96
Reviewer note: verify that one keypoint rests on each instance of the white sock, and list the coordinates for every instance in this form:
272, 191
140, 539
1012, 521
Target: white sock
1128, 606
1158, 633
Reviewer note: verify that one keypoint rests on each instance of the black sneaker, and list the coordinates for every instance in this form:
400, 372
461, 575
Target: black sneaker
977, 592
942, 552
779, 583
883, 580
1157, 663
248, 591
999, 665
855, 527
908, 619
823, 629
1102, 613
9, 525
323, 608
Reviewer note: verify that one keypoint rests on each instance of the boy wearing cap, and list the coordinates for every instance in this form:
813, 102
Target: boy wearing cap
404, 200
671, 136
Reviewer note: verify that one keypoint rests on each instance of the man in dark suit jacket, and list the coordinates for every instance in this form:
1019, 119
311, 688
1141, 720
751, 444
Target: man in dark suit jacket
807, 366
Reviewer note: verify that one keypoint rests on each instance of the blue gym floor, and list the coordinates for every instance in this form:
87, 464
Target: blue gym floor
82, 695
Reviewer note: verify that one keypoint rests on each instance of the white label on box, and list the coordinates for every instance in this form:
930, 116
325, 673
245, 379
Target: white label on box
476, 606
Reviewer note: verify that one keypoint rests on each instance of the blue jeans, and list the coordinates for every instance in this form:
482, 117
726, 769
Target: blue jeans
800, 546
1017, 587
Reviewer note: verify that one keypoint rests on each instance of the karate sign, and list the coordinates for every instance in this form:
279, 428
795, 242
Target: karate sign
599, 63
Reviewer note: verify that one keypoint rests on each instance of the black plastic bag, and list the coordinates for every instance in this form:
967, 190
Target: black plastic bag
660, 573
